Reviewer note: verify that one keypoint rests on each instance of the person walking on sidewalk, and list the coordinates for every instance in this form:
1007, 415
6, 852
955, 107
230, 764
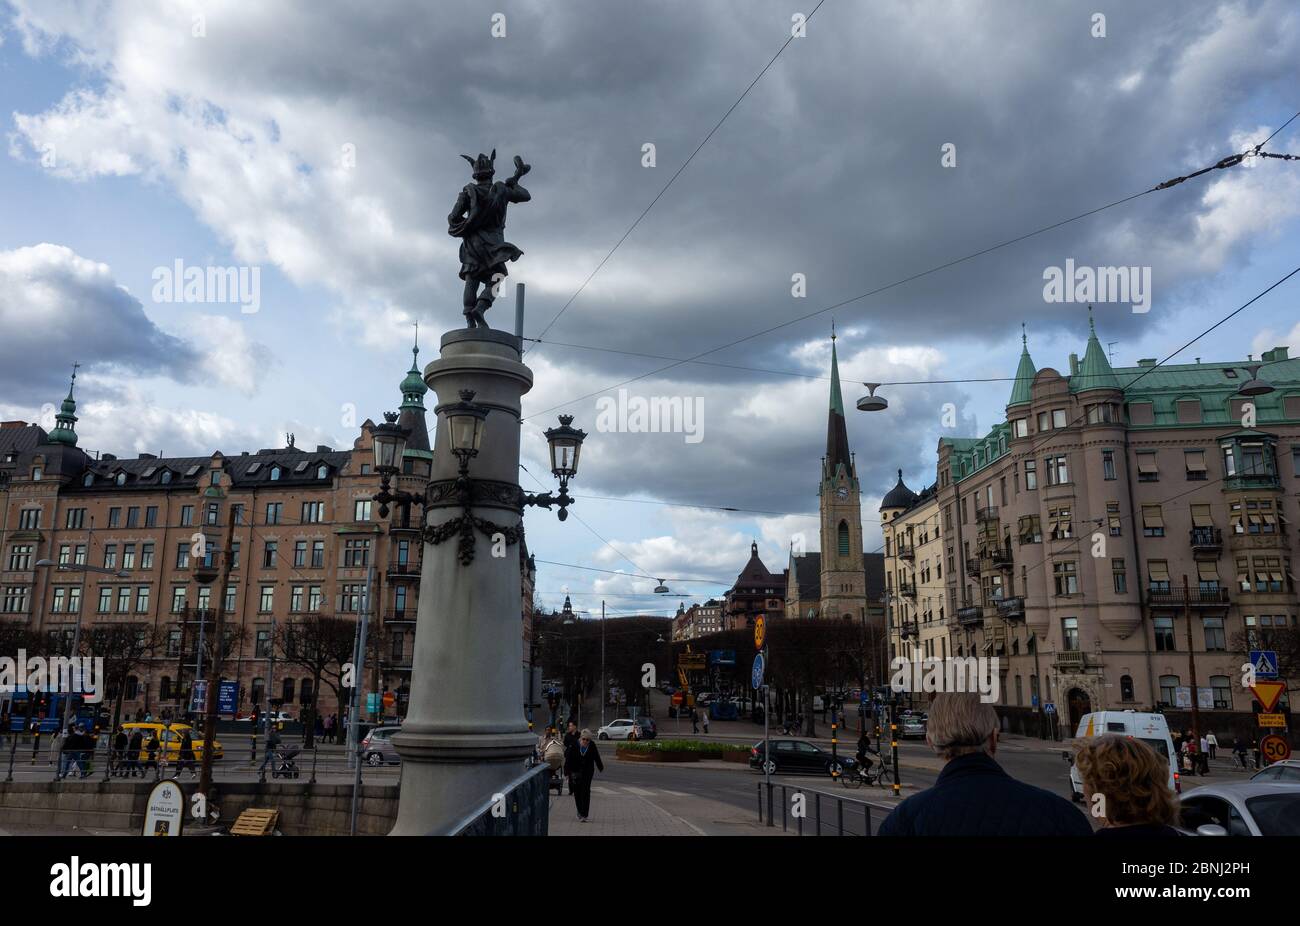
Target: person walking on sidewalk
704, 719
272, 743
133, 754
1212, 744
185, 757
695, 721
583, 759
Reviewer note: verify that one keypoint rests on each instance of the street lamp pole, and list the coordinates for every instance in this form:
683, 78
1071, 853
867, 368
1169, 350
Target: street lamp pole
604, 687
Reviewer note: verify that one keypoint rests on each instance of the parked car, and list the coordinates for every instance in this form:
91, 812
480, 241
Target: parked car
1151, 729
790, 755
169, 735
1286, 770
377, 748
646, 729
623, 729
1243, 808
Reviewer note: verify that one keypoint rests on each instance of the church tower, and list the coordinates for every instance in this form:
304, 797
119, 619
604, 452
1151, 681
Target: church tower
843, 575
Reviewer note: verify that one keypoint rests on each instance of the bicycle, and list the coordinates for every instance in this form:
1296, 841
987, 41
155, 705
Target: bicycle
856, 777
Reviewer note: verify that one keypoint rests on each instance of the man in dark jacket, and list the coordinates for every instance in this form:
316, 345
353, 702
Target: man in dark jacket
583, 759
570, 742
974, 796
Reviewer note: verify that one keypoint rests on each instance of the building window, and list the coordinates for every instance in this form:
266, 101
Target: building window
1147, 471
1120, 576
1031, 474
1195, 463
124, 599
1108, 464
1020, 427
843, 539
314, 598
230, 599
1215, 639
115, 517
182, 555
178, 599
142, 600
187, 515
213, 513
267, 600
313, 512
1058, 418
300, 553
322, 472
295, 598
16, 598
133, 517
29, 519
350, 597
1030, 529
1070, 634
1153, 523
1169, 689
76, 518
1066, 578
1060, 526
275, 473
262, 649
110, 556
356, 552
318, 554
269, 554
151, 516
1158, 576
361, 510
146, 556
1126, 688
1058, 470
1164, 632
274, 510
20, 557
1221, 686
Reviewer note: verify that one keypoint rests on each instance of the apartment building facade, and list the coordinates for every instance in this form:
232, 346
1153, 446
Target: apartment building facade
1118, 522
915, 596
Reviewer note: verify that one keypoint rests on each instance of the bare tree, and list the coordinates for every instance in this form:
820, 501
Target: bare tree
125, 647
322, 645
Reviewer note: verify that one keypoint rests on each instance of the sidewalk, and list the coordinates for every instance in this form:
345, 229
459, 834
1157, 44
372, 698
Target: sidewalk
624, 810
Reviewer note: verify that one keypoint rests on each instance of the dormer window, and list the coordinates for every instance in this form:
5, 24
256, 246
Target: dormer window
36, 474
121, 479
166, 477
88, 480
323, 472
275, 474
214, 478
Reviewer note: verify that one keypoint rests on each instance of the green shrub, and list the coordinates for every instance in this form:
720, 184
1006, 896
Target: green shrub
704, 749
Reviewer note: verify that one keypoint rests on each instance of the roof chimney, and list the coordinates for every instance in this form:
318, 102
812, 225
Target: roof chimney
1074, 364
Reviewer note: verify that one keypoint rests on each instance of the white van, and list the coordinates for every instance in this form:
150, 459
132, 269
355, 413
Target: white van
1151, 729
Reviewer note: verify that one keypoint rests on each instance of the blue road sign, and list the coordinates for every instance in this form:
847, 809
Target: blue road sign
1265, 662
1033, 700
756, 677
1049, 707
865, 696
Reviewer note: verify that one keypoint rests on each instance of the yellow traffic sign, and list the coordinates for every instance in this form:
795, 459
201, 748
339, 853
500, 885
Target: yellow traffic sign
1272, 720
1267, 694
760, 632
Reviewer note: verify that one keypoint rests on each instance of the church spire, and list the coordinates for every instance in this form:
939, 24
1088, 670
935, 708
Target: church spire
837, 434
411, 411
66, 420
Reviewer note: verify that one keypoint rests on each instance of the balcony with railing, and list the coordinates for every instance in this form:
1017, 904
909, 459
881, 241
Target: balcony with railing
970, 616
1001, 558
1011, 609
403, 570
987, 513
907, 589
907, 551
1071, 660
400, 615
1206, 540
1194, 597
973, 567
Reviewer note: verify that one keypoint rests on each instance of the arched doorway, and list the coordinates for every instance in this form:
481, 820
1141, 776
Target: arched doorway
1080, 704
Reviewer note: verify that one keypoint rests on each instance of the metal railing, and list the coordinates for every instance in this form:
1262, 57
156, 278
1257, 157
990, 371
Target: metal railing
970, 615
1194, 597
861, 811
525, 801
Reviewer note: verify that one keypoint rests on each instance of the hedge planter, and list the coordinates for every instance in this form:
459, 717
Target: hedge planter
681, 751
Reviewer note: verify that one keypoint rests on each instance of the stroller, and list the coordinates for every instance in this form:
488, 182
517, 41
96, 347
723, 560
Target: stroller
284, 766
553, 755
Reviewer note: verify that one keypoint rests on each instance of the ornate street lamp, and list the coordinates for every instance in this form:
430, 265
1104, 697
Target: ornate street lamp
565, 444
872, 402
465, 425
1255, 386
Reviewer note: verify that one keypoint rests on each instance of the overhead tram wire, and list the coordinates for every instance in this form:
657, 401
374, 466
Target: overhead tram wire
674, 177
1228, 162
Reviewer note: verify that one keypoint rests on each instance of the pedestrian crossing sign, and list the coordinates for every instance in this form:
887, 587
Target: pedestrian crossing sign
1265, 663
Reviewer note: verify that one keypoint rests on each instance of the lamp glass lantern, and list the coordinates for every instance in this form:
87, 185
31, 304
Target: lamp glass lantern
566, 445
390, 443
465, 424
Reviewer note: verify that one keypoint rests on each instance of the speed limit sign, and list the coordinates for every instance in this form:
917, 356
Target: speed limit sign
1275, 748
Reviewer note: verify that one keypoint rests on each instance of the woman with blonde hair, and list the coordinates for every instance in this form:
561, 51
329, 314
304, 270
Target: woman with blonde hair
1126, 787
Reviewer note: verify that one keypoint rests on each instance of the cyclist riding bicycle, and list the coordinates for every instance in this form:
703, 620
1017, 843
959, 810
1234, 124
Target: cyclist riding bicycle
864, 753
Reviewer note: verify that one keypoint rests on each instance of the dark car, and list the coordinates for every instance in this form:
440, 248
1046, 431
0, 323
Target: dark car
798, 756
645, 728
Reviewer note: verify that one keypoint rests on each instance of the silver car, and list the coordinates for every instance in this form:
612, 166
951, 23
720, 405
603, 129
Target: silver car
1243, 808
1286, 770
377, 748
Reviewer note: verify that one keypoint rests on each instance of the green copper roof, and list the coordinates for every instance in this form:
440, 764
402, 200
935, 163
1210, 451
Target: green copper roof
1094, 371
1020, 389
64, 431
837, 398
413, 386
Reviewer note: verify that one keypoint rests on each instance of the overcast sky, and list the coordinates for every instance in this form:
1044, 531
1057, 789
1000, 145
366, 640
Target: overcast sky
319, 143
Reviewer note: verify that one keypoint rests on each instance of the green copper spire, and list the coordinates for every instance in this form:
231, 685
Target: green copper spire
1020, 393
1094, 371
66, 420
837, 398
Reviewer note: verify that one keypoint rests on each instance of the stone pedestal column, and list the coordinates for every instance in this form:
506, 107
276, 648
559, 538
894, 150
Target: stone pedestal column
465, 736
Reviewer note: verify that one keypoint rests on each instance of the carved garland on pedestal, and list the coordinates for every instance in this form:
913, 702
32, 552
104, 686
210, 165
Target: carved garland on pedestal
467, 493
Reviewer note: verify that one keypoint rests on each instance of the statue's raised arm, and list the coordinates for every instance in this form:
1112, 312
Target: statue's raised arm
479, 219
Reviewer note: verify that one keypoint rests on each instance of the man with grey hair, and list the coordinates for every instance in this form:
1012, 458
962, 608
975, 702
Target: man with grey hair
973, 795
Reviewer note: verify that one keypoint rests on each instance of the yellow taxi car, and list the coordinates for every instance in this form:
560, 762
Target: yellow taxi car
169, 735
